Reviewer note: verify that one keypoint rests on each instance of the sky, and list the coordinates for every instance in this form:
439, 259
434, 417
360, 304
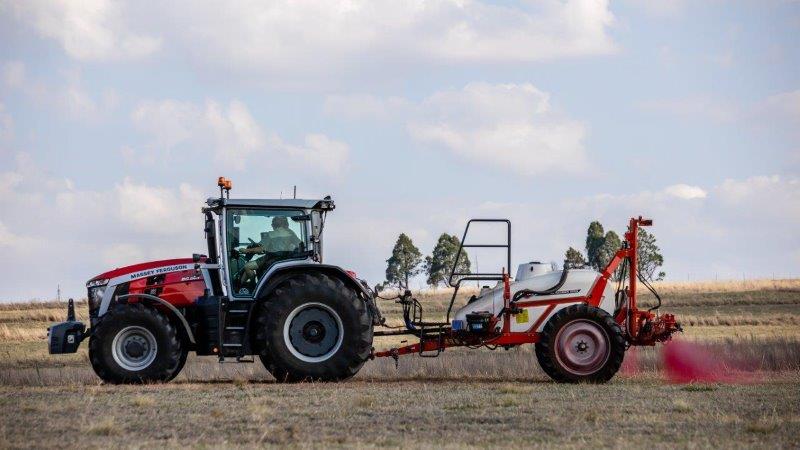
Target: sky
116, 118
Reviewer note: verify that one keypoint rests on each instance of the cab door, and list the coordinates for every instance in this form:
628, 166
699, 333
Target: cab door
257, 239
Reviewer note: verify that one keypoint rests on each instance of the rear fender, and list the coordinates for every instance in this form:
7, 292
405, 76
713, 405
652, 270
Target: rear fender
284, 273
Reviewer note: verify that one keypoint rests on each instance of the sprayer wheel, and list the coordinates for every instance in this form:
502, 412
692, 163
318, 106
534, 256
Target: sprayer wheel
581, 343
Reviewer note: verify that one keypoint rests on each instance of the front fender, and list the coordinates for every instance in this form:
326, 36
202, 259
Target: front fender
147, 298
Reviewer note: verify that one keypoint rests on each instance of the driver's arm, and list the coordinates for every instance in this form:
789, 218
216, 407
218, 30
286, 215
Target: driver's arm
253, 250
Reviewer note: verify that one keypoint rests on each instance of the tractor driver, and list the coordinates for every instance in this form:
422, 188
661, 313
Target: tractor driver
280, 239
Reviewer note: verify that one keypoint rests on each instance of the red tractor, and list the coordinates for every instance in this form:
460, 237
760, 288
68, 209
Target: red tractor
263, 290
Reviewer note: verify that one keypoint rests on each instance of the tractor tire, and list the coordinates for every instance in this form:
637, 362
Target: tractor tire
312, 327
581, 343
181, 362
136, 344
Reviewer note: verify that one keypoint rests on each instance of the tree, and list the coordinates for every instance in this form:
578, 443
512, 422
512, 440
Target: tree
611, 243
440, 263
595, 236
404, 262
574, 258
650, 258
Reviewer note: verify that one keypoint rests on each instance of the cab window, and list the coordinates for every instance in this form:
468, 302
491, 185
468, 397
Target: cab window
257, 239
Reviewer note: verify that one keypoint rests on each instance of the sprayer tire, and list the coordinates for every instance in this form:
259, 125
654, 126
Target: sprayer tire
313, 327
597, 323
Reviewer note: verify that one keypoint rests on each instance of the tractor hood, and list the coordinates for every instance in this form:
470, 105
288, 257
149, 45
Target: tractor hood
143, 269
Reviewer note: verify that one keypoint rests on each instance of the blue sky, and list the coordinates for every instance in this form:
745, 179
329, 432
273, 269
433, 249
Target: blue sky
116, 119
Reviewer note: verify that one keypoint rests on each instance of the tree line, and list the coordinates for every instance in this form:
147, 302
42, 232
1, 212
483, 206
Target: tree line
407, 260
601, 247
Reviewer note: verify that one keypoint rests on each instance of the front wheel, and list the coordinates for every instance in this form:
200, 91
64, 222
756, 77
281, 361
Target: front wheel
313, 327
581, 343
135, 344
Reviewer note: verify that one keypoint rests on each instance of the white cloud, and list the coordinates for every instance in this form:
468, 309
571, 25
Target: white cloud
167, 122
233, 134
686, 192
56, 231
319, 153
15, 242
302, 37
509, 126
236, 133
156, 210
663, 9
88, 30
69, 96
762, 198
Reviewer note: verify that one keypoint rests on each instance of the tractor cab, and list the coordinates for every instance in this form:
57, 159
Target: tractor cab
250, 239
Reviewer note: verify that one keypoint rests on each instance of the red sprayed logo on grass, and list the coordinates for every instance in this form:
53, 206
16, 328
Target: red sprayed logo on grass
686, 362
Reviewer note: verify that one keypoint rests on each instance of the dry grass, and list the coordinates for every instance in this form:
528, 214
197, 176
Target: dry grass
697, 287
22, 333
723, 320
48, 305
464, 398
628, 413
767, 358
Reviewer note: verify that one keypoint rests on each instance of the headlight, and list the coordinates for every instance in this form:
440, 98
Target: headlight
96, 297
93, 283
96, 290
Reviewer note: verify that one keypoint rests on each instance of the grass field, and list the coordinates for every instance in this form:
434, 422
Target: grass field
462, 399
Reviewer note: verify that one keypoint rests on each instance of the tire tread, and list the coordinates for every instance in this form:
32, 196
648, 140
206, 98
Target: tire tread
545, 353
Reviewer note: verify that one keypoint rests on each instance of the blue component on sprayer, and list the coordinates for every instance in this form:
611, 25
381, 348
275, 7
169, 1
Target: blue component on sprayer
458, 325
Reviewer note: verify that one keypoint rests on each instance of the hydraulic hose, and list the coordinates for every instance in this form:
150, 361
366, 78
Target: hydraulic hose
529, 292
652, 290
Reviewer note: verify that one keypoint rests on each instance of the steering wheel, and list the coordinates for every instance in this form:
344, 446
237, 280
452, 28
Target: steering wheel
246, 257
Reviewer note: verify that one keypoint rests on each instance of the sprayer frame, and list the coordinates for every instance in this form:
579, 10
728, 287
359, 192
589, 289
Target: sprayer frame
641, 327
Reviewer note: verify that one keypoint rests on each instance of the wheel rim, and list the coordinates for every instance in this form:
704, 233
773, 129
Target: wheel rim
134, 348
313, 332
582, 347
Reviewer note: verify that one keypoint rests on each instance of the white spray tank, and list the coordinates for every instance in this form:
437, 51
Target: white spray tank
531, 269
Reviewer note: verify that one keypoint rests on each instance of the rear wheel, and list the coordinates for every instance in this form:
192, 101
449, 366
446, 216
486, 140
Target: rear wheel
581, 343
313, 327
135, 344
